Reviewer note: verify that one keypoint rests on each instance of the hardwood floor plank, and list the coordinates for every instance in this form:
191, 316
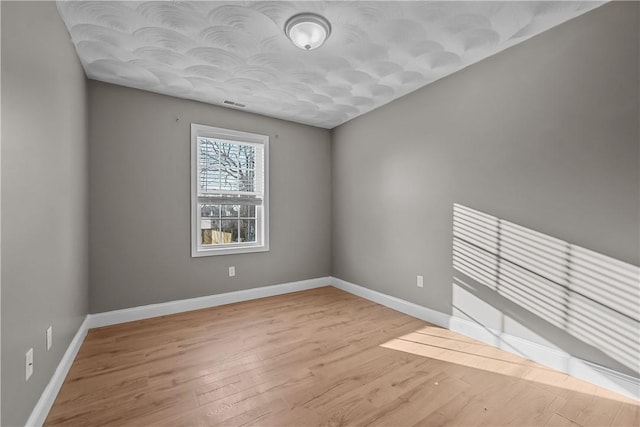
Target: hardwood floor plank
352, 407
312, 358
560, 421
601, 414
628, 415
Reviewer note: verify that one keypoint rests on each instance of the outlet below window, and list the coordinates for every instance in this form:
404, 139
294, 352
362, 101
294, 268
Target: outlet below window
28, 359
49, 337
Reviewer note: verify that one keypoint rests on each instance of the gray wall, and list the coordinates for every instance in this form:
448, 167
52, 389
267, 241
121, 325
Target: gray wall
544, 134
44, 199
140, 201
0, 213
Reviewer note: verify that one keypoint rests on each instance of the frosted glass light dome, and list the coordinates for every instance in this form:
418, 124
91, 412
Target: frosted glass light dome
308, 31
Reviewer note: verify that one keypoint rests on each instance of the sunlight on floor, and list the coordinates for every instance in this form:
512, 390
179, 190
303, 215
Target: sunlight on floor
441, 344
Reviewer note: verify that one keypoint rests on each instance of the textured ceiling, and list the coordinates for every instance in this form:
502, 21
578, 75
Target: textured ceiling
237, 51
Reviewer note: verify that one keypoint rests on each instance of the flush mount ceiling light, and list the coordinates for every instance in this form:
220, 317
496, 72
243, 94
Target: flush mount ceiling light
307, 30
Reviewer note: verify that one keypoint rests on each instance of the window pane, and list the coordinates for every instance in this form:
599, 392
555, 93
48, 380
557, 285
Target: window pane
226, 166
246, 180
210, 232
247, 211
247, 230
209, 166
209, 211
229, 179
230, 231
230, 211
209, 224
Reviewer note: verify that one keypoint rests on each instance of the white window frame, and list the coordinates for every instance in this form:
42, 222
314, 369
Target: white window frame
262, 211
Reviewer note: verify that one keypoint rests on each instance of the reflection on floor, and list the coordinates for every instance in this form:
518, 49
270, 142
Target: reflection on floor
318, 357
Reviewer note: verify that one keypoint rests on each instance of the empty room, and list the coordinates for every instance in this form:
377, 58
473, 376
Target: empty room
320, 213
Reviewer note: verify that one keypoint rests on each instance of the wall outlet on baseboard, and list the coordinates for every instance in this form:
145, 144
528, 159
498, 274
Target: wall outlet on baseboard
49, 337
232, 271
28, 360
420, 281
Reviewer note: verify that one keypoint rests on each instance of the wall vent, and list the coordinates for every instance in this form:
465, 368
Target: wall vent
235, 104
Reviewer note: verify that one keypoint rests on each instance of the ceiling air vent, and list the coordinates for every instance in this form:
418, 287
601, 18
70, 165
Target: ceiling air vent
235, 104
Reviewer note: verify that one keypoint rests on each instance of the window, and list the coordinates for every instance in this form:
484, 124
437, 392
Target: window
229, 191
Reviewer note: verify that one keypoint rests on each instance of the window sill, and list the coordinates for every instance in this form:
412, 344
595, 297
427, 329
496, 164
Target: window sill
228, 250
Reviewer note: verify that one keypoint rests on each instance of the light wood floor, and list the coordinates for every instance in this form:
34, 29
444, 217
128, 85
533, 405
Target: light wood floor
318, 357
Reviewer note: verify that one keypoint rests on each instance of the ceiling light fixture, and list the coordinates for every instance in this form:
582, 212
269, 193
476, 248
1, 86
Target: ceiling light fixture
307, 30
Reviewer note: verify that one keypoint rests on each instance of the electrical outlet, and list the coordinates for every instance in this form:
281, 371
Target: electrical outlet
420, 282
232, 271
49, 337
28, 359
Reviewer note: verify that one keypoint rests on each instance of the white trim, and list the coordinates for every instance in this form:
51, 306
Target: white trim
559, 360
554, 358
262, 210
406, 307
0, 215
551, 357
165, 308
42, 408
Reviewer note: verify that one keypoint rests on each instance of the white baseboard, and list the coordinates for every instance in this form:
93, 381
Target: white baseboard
551, 357
42, 408
559, 360
403, 306
172, 307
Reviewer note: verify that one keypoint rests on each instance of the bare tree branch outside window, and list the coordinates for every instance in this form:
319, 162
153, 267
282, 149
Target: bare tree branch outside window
225, 167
